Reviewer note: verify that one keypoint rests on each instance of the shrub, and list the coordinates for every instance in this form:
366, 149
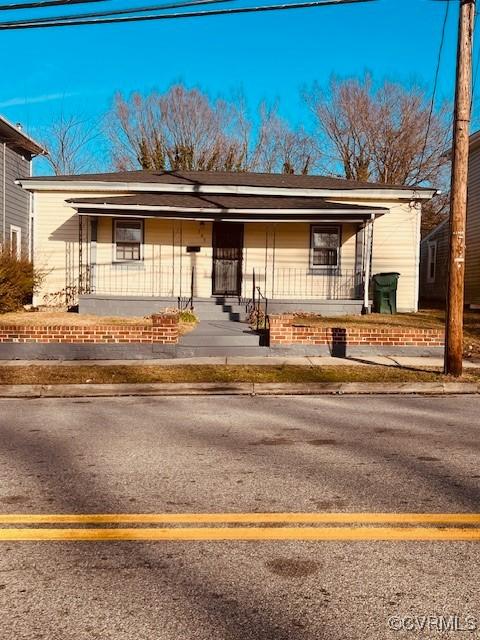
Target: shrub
18, 281
187, 316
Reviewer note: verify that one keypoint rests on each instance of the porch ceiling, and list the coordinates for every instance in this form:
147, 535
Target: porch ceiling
222, 207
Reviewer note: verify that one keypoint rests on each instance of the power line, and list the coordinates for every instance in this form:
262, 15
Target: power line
190, 14
115, 12
43, 3
434, 92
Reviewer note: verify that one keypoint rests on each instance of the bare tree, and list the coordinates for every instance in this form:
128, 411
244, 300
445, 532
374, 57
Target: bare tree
68, 143
387, 134
277, 148
181, 129
184, 129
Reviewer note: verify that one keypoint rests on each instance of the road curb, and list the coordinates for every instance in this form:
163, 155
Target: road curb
238, 389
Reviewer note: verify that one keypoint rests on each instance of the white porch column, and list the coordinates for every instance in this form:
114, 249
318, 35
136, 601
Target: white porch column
368, 259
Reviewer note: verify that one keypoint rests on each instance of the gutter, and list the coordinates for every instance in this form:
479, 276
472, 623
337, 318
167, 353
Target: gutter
226, 210
155, 187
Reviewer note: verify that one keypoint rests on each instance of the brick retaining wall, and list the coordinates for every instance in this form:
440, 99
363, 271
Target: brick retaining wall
284, 330
163, 329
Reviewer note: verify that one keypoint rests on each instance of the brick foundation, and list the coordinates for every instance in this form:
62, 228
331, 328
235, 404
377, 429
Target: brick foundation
284, 330
163, 329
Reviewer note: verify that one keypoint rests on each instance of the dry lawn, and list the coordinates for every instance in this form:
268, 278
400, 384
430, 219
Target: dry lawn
63, 318
61, 374
55, 318
424, 319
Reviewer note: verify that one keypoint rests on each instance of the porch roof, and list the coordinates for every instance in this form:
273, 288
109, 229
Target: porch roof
223, 207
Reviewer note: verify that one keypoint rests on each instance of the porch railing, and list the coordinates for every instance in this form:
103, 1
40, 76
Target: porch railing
328, 284
143, 279
151, 280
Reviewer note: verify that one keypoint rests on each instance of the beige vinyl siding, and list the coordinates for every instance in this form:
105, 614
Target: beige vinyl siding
55, 245
269, 248
396, 238
166, 265
280, 255
396, 247
472, 257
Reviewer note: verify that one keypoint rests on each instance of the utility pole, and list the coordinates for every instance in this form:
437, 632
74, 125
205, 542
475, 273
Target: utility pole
458, 191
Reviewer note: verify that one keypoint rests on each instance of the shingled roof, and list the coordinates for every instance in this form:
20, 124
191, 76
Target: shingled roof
224, 178
207, 201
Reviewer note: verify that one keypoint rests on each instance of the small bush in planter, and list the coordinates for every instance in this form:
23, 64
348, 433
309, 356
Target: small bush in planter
18, 281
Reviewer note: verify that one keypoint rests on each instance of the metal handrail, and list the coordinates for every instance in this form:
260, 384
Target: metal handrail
261, 313
188, 303
254, 305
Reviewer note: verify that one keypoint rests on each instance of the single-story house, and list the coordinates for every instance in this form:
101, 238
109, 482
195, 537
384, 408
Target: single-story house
17, 152
435, 246
131, 242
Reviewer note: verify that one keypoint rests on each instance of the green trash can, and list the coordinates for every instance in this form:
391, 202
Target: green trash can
385, 292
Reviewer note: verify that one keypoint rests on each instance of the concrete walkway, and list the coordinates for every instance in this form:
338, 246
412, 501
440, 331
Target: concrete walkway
307, 361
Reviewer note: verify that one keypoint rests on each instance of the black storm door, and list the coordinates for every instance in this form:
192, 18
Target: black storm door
227, 258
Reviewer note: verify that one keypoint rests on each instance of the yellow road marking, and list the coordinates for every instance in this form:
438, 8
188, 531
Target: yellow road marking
247, 518
208, 534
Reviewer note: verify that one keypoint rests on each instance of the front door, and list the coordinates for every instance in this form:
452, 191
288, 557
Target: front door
227, 258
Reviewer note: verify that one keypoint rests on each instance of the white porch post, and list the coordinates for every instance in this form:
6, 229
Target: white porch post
368, 257
93, 253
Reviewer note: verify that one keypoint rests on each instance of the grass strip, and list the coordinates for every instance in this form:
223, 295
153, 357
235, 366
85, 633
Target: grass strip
99, 374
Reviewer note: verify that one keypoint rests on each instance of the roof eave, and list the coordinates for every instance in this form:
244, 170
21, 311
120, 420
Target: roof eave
21, 140
388, 193
110, 210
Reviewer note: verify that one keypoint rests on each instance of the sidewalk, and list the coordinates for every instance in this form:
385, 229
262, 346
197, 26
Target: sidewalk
414, 362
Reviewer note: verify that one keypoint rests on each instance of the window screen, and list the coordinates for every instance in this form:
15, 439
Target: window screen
325, 243
128, 239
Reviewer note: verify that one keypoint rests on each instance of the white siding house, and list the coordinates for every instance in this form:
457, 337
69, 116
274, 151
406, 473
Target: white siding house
133, 241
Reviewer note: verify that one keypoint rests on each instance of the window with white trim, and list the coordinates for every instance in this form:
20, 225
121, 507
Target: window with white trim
431, 260
128, 238
324, 247
16, 241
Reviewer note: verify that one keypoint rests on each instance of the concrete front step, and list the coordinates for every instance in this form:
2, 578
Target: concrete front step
221, 341
220, 308
220, 327
234, 317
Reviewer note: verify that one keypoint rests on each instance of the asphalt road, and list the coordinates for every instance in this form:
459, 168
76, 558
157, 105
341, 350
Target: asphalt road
238, 454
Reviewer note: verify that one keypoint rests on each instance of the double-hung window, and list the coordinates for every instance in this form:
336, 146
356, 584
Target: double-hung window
128, 238
431, 261
324, 247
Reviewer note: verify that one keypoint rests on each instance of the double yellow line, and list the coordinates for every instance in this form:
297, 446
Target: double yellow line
247, 526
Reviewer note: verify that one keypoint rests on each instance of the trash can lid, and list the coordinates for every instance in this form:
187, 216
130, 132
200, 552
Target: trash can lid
386, 280
387, 273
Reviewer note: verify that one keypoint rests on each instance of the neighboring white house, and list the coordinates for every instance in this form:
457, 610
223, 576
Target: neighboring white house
434, 247
129, 242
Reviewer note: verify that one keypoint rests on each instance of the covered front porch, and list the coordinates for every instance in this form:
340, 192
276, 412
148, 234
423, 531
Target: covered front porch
137, 254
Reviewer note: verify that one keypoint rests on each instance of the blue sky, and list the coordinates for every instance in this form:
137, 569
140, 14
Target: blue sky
271, 56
